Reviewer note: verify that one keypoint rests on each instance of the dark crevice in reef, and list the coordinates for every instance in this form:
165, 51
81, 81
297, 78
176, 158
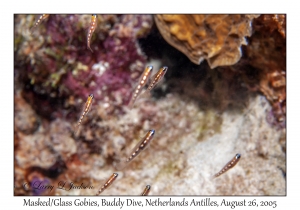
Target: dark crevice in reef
219, 89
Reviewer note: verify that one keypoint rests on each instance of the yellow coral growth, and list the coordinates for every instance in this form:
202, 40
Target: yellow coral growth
216, 38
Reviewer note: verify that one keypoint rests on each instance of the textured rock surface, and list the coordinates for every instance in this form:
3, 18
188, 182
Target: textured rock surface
189, 147
263, 66
216, 38
54, 61
26, 119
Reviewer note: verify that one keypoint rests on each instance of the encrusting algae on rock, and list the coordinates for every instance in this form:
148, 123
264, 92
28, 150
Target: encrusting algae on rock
201, 116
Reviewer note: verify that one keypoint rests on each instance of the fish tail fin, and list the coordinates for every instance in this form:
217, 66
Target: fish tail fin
131, 103
121, 165
145, 94
90, 49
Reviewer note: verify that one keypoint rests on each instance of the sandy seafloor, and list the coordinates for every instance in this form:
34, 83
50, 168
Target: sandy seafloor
189, 147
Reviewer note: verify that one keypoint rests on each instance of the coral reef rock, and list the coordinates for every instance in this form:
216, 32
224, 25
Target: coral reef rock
26, 119
216, 38
54, 61
263, 65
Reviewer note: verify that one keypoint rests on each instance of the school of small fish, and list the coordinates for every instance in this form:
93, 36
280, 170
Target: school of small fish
146, 190
157, 78
38, 22
85, 110
146, 140
111, 179
142, 82
91, 30
229, 165
141, 145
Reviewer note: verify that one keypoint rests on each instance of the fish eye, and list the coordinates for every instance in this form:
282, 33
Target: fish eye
91, 95
152, 132
237, 156
165, 68
150, 67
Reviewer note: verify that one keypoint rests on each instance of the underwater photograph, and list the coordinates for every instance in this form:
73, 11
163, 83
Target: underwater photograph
149, 104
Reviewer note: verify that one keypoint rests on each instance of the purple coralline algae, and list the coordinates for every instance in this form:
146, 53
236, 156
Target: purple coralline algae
61, 66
